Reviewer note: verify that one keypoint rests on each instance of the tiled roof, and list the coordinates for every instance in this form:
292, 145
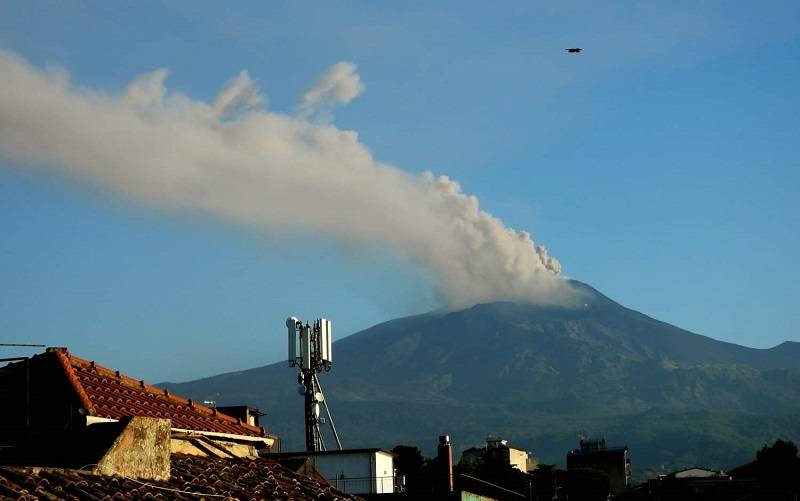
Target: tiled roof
109, 394
193, 478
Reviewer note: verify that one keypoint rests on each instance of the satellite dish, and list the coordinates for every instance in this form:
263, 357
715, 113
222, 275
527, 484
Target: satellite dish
319, 397
301, 390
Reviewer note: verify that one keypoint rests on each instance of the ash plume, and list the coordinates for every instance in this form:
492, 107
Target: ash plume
232, 158
339, 85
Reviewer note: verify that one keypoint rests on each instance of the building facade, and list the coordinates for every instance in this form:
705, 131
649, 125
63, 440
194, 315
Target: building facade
612, 462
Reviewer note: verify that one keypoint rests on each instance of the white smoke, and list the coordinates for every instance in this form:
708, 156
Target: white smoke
233, 159
240, 95
339, 85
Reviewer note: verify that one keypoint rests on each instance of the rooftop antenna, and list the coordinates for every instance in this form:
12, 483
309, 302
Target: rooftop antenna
19, 345
315, 356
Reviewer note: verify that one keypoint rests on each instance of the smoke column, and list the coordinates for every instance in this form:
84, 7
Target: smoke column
232, 158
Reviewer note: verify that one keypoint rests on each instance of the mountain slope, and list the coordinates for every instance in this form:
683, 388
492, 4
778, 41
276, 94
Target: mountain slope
539, 376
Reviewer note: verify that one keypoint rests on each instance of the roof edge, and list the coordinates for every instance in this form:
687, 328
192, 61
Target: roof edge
63, 359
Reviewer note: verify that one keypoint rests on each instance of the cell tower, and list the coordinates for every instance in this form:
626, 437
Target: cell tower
315, 356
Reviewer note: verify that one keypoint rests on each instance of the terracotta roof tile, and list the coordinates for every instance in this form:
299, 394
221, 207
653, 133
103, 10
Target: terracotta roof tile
110, 394
221, 478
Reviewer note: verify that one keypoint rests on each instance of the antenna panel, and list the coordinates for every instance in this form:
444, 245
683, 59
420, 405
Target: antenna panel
305, 346
291, 327
329, 340
322, 341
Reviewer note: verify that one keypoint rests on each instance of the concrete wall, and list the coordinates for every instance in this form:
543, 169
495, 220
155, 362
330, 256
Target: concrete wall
518, 459
141, 450
384, 473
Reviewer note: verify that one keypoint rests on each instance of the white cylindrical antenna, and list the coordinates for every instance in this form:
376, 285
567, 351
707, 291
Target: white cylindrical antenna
291, 327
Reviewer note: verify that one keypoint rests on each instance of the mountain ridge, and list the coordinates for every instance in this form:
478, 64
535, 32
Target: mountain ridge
537, 375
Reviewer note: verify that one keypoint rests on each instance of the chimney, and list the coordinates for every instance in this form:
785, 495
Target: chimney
247, 414
445, 456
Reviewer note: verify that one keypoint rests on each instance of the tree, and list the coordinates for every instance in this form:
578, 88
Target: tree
416, 468
778, 467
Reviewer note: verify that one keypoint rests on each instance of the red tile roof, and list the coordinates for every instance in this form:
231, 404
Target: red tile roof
109, 394
191, 475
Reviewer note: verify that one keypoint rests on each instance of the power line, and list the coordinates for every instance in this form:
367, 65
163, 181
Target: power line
493, 485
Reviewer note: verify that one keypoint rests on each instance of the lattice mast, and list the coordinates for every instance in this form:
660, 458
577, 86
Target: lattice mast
315, 343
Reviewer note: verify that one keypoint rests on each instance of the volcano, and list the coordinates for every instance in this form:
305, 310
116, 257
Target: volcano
540, 377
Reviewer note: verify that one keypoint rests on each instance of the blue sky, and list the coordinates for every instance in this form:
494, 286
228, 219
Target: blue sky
660, 166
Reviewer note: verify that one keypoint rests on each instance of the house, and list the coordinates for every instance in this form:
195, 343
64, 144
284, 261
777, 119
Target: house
612, 462
72, 429
56, 392
355, 471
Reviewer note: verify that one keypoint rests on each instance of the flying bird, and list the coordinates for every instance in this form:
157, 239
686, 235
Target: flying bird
574, 49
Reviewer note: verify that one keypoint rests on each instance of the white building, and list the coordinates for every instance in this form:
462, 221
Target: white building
354, 471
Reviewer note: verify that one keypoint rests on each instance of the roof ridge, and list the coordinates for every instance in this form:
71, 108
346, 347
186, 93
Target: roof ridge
69, 360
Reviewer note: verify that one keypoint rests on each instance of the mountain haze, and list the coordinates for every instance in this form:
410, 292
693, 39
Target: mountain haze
540, 376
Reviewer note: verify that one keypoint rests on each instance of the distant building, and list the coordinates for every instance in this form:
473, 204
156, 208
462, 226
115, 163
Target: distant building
612, 462
695, 483
472, 455
354, 471
696, 473
498, 449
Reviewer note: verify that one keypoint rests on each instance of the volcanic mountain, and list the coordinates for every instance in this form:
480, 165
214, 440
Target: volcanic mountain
540, 377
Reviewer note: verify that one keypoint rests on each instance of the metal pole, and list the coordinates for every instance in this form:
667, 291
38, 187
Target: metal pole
321, 440
27, 394
330, 418
311, 430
